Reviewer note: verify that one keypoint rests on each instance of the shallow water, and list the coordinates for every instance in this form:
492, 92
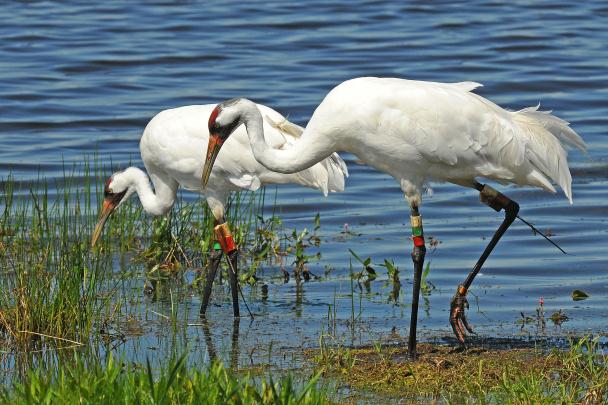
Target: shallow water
82, 78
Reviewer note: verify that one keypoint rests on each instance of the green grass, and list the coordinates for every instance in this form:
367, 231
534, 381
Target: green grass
113, 382
50, 279
476, 376
59, 297
56, 291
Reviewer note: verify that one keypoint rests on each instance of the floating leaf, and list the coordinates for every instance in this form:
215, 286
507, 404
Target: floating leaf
578, 295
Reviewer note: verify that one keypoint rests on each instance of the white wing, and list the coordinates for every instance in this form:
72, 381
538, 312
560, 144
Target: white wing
439, 131
175, 141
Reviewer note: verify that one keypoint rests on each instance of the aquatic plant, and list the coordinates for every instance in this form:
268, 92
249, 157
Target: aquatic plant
367, 274
90, 382
489, 376
55, 291
393, 280
50, 282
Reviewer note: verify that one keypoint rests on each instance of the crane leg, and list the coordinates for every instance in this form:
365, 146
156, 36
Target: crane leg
418, 254
224, 237
215, 256
459, 303
233, 278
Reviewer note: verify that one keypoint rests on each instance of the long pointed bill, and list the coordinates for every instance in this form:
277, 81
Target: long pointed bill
215, 144
106, 211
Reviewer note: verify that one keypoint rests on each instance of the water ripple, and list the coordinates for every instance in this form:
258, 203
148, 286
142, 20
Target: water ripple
79, 78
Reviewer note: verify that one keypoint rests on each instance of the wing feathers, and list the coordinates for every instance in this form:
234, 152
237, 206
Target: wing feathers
327, 175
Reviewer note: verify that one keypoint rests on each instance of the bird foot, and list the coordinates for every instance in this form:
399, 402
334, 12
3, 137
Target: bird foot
458, 319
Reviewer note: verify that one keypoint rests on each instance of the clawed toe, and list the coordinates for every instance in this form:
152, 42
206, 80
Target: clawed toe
466, 323
458, 318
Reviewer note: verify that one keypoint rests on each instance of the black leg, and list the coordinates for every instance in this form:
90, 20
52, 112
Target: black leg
418, 254
459, 303
212, 264
233, 277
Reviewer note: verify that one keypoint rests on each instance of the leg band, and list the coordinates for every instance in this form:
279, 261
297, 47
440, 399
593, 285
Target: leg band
462, 290
417, 232
493, 198
224, 237
418, 241
418, 253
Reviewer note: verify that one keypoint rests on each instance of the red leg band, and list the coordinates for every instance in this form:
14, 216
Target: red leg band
418, 241
224, 237
228, 244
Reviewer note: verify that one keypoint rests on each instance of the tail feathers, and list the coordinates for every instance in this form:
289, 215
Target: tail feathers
557, 126
546, 137
336, 171
286, 127
327, 175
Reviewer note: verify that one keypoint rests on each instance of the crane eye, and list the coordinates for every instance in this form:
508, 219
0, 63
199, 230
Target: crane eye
106, 187
226, 130
115, 197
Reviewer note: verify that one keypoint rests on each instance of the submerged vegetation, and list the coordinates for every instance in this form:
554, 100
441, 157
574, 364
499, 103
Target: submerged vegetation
56, 290
60, 299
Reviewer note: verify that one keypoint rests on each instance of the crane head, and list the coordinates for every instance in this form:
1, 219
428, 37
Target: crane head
114, 193
224, 119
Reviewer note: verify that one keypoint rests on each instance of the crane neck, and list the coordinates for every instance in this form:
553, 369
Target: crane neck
155, 203
304, 153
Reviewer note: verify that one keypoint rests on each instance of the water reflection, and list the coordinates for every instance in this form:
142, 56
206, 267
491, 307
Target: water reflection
234, 343
98, 96
299, 299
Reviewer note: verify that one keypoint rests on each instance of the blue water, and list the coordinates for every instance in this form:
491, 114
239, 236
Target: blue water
78, 78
